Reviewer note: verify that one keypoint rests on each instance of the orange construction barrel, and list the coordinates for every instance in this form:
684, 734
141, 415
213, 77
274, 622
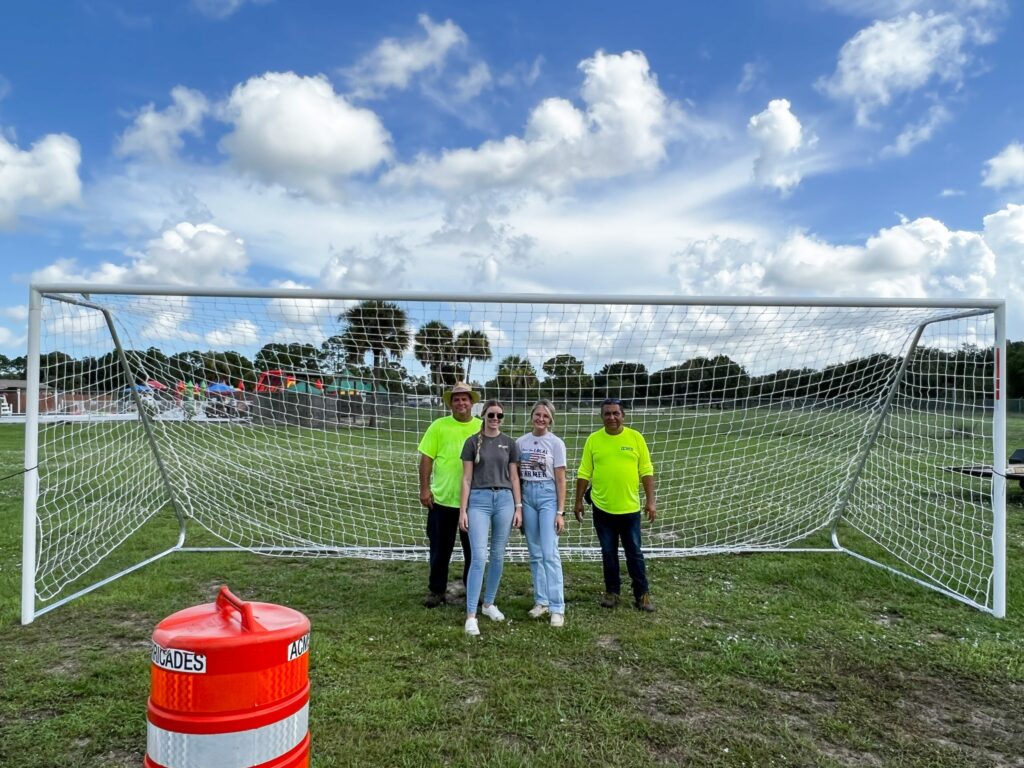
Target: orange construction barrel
230, 687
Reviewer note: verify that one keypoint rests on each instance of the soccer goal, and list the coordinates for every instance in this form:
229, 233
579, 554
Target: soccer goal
286, 423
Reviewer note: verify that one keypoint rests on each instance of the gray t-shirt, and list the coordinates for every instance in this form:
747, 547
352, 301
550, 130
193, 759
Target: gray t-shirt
539, 456
496, 453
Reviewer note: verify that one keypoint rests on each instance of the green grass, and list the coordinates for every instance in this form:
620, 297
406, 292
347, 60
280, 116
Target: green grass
755, 660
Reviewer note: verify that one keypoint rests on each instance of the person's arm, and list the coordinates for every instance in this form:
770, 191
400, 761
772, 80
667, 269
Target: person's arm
583, 475
517, 494
648, 482
426, 469
559, 499
581, 487
646, 469
467, 481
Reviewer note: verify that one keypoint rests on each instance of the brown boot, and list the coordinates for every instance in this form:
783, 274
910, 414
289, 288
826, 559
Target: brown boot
644, 603
609, 600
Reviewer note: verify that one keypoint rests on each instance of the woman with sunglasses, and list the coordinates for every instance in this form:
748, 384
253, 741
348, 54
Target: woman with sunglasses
542, 475
491, 506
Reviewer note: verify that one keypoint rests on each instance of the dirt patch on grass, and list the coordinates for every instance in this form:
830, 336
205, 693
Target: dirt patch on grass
953, 715
890, 619
609, 643
678, 704
851, 757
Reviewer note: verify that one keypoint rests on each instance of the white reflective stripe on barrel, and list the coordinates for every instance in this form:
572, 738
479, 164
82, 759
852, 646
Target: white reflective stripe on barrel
240, 749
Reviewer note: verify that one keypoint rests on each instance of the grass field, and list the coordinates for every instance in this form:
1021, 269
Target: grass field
756, 660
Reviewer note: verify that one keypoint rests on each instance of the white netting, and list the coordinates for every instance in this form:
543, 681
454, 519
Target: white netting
290, 425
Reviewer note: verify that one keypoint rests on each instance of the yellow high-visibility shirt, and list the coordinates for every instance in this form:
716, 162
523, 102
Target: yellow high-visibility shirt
614, 465
443, 443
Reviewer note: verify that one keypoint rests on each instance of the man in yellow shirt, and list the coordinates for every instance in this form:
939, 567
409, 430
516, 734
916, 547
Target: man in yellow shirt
615, 463
440, 474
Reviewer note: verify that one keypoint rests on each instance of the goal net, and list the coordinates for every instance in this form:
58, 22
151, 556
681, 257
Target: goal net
288, 424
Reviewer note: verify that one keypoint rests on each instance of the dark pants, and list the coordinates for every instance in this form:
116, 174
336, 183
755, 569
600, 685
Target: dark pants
610, 530
442, 523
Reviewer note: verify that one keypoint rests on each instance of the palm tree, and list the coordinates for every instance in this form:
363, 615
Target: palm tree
375, 326
434, 347
516, 375
472, 345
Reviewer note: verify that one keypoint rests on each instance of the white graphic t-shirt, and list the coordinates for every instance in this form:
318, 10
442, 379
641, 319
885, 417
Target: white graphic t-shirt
538, 456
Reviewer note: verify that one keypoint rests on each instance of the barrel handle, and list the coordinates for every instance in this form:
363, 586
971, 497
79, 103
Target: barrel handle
225, 598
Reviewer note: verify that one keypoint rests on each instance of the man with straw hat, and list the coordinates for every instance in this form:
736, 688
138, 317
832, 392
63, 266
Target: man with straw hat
441, 484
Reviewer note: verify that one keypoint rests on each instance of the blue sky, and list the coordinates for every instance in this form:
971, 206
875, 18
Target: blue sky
782, 147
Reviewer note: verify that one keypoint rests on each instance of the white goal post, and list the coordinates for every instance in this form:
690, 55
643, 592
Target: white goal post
286, 422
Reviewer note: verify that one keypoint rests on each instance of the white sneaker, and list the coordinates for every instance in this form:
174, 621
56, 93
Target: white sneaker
472, 628
557, 620
537, 611
492, 613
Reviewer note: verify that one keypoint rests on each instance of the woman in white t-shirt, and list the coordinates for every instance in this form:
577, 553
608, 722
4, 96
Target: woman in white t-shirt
542, 478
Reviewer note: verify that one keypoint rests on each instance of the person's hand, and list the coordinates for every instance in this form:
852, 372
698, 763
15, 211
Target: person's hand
427, 498
517, 518
578, 510
651, 512
559, 524
464, 521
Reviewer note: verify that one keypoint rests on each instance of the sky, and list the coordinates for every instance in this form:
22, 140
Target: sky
818, 148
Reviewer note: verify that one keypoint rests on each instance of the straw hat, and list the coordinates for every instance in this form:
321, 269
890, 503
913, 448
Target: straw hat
460, 387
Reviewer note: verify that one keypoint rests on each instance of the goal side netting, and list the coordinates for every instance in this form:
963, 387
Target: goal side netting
288, 424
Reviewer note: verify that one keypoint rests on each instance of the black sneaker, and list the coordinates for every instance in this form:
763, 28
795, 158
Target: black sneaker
644, 603
609, 600
433, 599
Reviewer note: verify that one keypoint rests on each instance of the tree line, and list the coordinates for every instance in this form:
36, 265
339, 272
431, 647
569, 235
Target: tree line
375, 335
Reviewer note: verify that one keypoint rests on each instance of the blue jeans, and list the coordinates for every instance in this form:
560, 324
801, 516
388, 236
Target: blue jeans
490, 515
610, 530
539, 506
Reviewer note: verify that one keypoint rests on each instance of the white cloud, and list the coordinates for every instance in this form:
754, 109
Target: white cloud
1004, 233
10, 339
193, 254
473, 82
186, 254
237, 333
889, 8
911, 260
626, 126
393, 63
873, 8
158, 134
296, 131
19, 313
916, 258
780, 136
898, 56
720, 266
1005, 169
917, 133
222, 9
42, 178
521, 74
950, 192
752, 73
354, 269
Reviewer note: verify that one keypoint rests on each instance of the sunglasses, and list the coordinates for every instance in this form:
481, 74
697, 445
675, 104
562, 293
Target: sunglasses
493, 415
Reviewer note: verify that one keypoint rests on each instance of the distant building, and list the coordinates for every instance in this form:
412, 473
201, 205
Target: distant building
12, 392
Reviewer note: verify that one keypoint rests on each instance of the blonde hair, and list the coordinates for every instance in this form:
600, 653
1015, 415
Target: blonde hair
544, 403
483, 423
